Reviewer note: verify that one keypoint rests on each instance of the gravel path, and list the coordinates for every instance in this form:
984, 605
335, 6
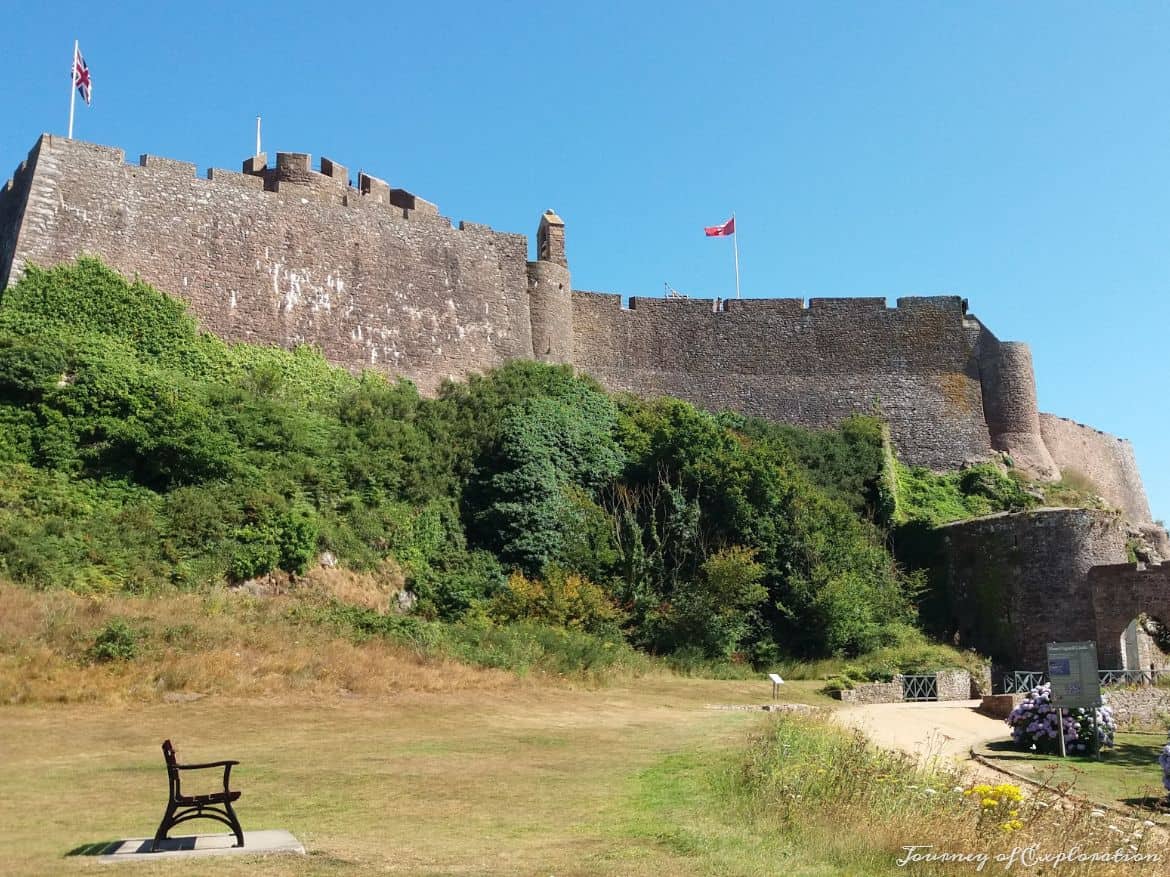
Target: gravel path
927, 730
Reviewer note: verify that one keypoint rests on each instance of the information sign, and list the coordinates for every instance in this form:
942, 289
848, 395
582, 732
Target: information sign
1072, 670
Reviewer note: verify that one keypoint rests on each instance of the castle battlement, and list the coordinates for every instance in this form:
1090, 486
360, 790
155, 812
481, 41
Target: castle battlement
292, 176
374, 276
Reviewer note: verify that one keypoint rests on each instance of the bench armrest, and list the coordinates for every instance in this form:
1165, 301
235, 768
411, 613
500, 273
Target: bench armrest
208, 764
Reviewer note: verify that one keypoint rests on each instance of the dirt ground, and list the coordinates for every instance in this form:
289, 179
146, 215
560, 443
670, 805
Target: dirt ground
929, 730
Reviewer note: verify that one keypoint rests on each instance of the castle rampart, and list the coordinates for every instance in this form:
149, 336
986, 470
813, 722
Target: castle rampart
812, 365
1107, 461
1012, 583
385, 287
1015, 582
376, 277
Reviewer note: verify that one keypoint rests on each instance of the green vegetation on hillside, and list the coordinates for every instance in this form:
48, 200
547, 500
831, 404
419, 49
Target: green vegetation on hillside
938, 498
141, 455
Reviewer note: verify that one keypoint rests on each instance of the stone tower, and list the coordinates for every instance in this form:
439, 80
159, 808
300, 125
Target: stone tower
550, 298
1009, 404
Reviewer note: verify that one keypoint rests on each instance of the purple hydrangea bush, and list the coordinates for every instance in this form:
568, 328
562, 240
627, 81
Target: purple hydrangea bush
1034, 725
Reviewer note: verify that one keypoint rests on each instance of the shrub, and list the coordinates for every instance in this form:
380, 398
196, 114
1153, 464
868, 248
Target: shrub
711, 612
1035, 724
561, 599
117, 641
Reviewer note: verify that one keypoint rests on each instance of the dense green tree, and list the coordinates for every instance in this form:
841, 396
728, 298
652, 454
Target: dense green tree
138, 453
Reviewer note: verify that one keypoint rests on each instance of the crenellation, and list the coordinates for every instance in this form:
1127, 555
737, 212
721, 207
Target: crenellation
409, 201
672, 306
847, 308
791, 307
951, 304
293, 166
377, 190
92, 151
167, 165
335, 171
235, 178
256, 165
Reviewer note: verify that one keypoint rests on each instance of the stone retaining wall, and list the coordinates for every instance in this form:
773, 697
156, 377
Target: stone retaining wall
951, 685
1140, 707
873, 692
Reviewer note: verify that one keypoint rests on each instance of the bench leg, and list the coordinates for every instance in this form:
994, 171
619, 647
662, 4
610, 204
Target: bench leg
235, 823
163, 828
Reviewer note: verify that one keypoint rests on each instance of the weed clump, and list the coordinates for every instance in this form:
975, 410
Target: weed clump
117, 641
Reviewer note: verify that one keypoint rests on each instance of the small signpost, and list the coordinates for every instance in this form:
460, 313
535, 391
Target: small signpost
776, 683
1072, 671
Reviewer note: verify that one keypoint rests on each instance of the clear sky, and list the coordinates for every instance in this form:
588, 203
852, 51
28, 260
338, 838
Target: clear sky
1015, 154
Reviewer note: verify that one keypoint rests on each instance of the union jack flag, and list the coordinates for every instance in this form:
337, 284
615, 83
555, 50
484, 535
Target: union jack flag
81, 77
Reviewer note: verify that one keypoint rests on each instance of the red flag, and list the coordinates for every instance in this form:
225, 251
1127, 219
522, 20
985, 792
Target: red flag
720, 231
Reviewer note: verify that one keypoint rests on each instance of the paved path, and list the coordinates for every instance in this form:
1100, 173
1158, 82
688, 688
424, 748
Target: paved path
928, 730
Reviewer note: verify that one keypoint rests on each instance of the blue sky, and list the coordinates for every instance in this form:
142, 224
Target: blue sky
1014, 154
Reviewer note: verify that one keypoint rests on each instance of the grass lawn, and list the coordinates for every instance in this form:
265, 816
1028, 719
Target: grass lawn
1128, 774
535, 780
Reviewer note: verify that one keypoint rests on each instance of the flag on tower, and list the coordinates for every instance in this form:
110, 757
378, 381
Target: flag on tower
81, 76
727, 230
720, 231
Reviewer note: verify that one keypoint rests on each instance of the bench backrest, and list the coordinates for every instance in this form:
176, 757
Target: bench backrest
172, 768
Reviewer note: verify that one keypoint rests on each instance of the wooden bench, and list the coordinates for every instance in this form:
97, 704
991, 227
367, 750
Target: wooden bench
180, 807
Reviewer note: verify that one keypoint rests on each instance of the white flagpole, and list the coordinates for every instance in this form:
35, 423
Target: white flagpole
72, 83
735, 240
257, 135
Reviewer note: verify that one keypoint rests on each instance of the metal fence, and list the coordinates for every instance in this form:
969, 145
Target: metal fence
1130, 677
920, 687
1023, 681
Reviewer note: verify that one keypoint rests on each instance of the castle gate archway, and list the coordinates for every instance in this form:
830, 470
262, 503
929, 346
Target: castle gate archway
1122, 593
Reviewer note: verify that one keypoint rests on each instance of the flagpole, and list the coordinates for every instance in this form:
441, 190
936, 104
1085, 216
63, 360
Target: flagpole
735, 241
72, 83
257, 135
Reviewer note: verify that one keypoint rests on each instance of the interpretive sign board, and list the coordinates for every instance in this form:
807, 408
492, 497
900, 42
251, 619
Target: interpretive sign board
1072, 670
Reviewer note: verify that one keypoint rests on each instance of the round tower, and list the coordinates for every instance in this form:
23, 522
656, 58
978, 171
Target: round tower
550, 293
1009, 403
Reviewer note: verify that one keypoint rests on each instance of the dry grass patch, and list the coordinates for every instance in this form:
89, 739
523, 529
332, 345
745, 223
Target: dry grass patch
526, 780
220, 643
808, 779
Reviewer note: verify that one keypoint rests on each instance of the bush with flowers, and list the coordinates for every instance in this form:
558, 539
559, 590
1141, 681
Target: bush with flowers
1034, 724
998, 805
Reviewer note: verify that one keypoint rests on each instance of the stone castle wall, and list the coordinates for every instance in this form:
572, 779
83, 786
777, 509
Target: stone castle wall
1015, 582
376, 277
1107, 461
370, 283
1122, 592
814, 365
13, 201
